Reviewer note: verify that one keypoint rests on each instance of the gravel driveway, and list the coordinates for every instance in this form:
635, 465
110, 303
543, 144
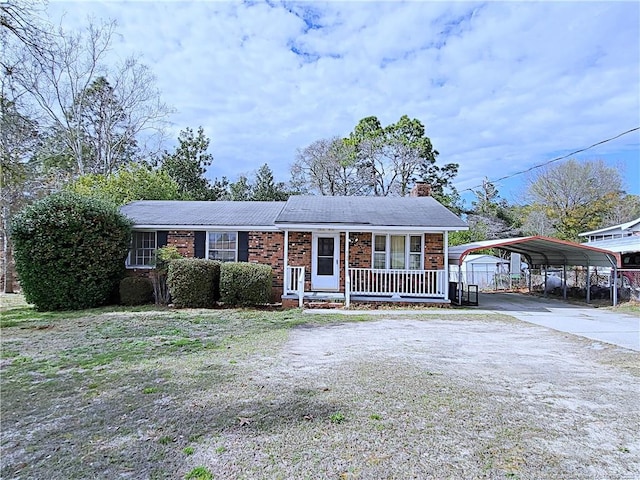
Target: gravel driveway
486, 396
284, 395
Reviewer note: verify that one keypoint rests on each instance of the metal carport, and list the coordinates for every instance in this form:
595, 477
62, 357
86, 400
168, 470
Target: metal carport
544, 251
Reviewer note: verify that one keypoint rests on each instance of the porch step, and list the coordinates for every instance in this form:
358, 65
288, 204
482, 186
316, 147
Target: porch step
324, 305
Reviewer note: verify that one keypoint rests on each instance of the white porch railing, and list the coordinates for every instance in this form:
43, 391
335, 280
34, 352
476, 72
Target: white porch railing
413, 283
294, 282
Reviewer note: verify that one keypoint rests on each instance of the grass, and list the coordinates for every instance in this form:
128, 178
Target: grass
632, 308
337, 417
199, 473
202, 394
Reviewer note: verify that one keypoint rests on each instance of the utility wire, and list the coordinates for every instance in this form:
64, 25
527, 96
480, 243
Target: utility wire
470, 189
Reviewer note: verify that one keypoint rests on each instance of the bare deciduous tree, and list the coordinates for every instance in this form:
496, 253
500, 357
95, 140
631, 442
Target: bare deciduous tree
574, 196
60, 80
327, 167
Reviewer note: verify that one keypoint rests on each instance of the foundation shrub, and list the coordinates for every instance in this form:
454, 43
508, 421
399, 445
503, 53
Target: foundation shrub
70, 251
136, 291
245, 284
194, 282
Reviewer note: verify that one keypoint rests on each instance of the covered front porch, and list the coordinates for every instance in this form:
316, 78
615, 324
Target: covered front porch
340, 267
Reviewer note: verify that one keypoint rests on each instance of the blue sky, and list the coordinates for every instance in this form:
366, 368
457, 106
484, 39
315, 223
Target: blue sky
500, 86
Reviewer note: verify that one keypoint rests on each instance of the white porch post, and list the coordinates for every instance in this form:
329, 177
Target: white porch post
445, 280
347, 278
285, 262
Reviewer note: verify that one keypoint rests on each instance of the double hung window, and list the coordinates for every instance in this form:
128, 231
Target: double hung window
223, 246
143, 249
397, 252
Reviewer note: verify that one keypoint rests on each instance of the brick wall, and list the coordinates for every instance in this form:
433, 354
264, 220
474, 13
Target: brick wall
267, 248
360, 249
184, 241
300, 254
433, 251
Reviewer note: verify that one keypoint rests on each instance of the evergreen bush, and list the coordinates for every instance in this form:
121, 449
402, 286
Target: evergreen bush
245, 284
70, 251
194, 282
136, 291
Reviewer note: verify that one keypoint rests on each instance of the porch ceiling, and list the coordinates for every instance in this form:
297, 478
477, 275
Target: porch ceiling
541, 251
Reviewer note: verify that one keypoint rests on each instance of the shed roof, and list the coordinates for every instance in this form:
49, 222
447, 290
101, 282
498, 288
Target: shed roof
369, 211
541, 251
485, 259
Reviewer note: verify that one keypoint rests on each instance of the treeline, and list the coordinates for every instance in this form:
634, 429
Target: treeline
74, 117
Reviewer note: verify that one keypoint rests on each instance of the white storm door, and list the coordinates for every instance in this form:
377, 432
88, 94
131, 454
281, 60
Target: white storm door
325, 264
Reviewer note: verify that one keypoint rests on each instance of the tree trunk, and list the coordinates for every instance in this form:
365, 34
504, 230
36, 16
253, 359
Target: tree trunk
8, 274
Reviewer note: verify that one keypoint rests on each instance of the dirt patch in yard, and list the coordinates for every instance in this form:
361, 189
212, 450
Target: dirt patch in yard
287, 395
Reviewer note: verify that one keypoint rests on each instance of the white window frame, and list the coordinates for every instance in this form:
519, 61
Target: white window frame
131, 256
407, 249
208, 244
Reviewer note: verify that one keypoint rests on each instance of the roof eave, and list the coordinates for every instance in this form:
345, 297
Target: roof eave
235, 228
622, 227
360, 227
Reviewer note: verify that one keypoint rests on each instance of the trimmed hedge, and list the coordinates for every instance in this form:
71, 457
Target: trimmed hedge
70, 251
136, 291
194, 282
244, 283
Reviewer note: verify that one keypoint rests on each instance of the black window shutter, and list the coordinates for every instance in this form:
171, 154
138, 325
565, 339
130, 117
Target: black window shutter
199, 246
243, 246
162, 237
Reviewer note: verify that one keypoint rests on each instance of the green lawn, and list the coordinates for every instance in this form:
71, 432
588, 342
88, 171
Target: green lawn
158, 393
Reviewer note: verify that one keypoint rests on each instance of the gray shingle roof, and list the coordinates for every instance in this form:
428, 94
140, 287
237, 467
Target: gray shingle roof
373, 211
176, 213
365, 211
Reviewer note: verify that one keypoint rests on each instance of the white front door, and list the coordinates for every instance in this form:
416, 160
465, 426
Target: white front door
325, 267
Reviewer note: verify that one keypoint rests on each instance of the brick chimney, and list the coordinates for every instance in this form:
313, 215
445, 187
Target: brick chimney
421, 189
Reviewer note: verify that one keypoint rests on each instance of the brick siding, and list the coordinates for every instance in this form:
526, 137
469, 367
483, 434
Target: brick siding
267, 248
184, 241
360, 249
433, 251
300, 254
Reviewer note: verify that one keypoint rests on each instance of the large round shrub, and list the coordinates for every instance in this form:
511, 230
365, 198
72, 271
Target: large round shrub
194, 282
245, 284
70, 251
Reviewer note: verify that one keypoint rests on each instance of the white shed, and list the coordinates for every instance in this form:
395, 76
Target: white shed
482, 270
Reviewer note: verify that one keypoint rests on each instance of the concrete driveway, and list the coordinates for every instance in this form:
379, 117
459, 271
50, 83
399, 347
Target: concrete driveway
594, 323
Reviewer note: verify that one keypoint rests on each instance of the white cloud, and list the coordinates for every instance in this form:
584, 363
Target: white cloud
500, 86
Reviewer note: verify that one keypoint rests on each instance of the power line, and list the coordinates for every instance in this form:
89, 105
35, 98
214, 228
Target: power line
470, 189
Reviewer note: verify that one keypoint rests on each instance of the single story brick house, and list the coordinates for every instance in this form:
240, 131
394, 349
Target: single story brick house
345, 248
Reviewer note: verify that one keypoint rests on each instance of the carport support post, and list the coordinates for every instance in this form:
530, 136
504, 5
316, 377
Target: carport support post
564, 281
545, 281
588, 283
614, 294
459, 283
